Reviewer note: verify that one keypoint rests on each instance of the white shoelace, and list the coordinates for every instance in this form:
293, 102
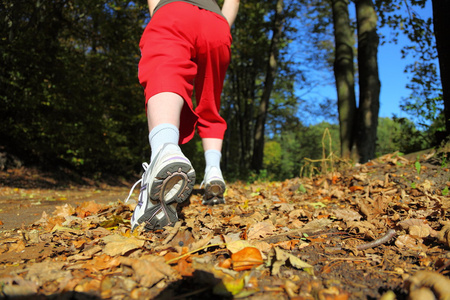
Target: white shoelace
145, 166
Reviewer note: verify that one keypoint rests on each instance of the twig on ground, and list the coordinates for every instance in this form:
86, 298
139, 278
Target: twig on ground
384, 239
170, 261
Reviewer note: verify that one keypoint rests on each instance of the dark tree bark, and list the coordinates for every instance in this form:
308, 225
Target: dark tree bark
344, 74
258, 147
369, 83
441, 21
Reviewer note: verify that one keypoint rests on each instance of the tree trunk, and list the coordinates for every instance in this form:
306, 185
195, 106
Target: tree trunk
344, 74
441, 23
258, 147
369, 83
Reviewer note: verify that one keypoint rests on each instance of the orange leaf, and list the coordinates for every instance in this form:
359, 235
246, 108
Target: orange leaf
78, 243
184, 268
88, 209
335, 179
246, 259
356, 188
171, 255
323, 216
226, 264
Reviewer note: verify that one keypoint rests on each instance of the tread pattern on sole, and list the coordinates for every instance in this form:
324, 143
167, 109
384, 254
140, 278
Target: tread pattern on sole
214, 191
173, 184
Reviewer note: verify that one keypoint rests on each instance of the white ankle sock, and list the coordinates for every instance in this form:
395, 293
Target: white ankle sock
162, 134
212, 158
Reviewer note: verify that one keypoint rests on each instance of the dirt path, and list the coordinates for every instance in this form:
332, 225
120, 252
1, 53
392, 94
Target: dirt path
26, 193
23, 206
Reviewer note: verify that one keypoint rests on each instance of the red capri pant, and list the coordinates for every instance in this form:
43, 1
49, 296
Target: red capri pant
184, 47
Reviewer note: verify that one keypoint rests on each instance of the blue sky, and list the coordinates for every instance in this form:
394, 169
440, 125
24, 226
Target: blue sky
391, 72
391, 67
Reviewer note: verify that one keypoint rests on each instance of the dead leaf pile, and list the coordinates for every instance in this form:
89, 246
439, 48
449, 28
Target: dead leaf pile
353, 234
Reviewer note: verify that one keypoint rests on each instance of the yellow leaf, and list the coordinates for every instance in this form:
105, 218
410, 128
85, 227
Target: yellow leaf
229, 285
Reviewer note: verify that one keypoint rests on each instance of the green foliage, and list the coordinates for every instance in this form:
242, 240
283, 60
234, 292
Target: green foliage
418, 167
69, 91
392, 135
272, 155
445, 191
284, 154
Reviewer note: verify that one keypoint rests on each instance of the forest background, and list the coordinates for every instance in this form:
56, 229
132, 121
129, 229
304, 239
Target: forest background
70, 97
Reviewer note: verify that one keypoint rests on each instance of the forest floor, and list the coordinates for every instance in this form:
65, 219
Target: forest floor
375, 231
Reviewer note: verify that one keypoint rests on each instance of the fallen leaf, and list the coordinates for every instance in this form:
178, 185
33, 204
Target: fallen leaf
347, 215
17, 287
408, 241
260, 230
119, 245
47, 271
102, 262
437, 283
229, 285
444, 235
356, 188
88, 208
280, 258
237, 246
246, 259
149, 270
417, 227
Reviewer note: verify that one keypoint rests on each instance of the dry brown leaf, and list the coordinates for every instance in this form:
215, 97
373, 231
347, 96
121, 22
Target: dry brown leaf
40, 273
437, 283
118, 244
18, 246
316, 225
202, 242
149, 269
102, 262
417, 227
232, 237
236, 246
88, 209
364, 227
347, 215
280, 257
444, 235
17, 287
260, 230
262, 246
63, 211
409, 242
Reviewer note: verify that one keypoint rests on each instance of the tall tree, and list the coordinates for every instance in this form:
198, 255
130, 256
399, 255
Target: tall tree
260, 39
271, 71
344, 75
369, 83
441, 22
68, 83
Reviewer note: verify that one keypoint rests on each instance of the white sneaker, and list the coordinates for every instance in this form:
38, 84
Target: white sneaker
168, 180
214, 187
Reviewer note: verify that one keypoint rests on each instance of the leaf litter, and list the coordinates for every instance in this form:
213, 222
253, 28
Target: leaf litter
375, 231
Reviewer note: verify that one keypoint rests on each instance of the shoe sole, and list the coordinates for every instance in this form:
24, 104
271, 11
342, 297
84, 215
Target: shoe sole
173, 184
214, 193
